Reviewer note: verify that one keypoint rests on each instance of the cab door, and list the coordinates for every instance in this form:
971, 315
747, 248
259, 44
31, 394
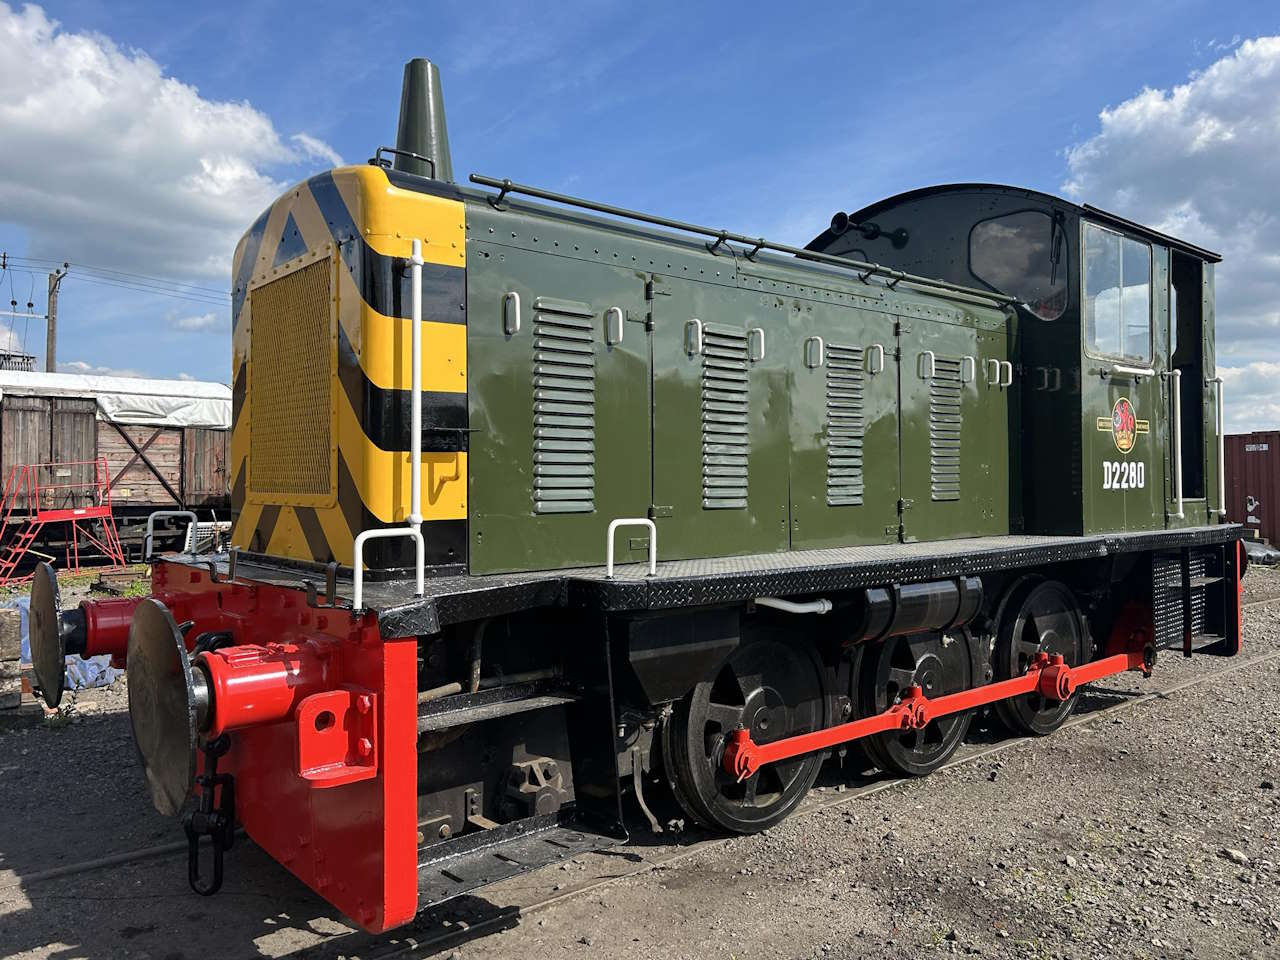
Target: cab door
1124, 403
844, 426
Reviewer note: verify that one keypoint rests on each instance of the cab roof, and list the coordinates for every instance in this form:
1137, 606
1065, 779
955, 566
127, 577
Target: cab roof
1088, 211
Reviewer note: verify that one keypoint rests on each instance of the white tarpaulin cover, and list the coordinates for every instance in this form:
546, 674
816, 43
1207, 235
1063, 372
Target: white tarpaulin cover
158, 403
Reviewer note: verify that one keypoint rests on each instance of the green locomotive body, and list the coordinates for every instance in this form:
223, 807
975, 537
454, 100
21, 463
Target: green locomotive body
691, 510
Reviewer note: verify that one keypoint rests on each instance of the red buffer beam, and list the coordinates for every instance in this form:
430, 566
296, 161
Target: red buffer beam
1050, 676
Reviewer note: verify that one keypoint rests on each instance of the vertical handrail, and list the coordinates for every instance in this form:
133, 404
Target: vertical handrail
1175, 404
1222, 447
414, 529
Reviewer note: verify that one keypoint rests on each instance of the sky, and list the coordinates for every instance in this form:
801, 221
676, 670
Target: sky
139, 140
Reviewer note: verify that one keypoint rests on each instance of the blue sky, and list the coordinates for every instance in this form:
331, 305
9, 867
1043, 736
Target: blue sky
760, 117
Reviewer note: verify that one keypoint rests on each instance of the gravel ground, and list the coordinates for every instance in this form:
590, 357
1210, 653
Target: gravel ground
1149, 831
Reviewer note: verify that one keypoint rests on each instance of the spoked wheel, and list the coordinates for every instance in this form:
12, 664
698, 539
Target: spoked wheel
772, 689
937, 663
1038, 617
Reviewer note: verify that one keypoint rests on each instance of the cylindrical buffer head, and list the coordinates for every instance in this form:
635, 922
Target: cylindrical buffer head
164, 705
53, 634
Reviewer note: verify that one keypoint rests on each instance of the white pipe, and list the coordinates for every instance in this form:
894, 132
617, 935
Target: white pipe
415, 387
1175, 402
1222, 449
787, 606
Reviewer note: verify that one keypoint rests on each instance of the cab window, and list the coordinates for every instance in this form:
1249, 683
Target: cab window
1117, 295
1023, 254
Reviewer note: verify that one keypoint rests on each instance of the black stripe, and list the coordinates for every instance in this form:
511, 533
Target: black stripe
237, 489
237, 395
291, 243
252, 244
383, 281
446, 540
353, 509
384, 414
317, 542
266, 526
411, 181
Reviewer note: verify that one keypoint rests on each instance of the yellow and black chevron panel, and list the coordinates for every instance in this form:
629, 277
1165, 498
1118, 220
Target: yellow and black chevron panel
326, 454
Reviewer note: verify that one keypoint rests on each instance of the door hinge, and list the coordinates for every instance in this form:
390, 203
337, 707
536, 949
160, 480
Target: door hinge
899, 328
904, 505
656, 512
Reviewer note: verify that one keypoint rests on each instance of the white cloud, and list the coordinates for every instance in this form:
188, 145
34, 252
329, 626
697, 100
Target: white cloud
317, 149
80, 366
201, 323
1202, 162
110, 161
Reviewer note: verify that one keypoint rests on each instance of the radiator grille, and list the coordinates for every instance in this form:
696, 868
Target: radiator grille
564, 407
845, 425
945, 389
291, 373
725, 359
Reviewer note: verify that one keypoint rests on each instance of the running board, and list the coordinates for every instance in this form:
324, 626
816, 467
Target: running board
454, 867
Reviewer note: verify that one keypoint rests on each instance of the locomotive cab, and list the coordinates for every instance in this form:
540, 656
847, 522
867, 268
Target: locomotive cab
1119, 406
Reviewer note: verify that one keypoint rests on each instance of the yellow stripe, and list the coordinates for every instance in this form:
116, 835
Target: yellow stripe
386, 358
246, 523
382, 478
391, 218
287, 538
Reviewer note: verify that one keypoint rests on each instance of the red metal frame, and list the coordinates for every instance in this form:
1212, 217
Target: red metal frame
322, 716
1048, 675
43, 503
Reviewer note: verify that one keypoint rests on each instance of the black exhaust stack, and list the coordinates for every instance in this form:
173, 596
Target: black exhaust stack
422, 129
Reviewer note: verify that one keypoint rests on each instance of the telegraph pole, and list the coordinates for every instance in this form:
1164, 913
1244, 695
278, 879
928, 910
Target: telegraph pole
51, 336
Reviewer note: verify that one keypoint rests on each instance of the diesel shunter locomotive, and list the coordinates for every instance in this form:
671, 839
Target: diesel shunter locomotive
541, 503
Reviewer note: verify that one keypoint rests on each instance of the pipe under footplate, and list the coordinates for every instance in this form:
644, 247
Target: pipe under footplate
254, 684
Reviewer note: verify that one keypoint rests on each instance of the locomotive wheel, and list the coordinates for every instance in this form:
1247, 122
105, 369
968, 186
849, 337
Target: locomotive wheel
774, 690
1038, 617
48, 645
937, 663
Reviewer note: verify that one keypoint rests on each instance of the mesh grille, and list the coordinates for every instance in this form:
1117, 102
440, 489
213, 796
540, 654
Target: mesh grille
945, 388
725, 359
290, 384
564, 407
845, 425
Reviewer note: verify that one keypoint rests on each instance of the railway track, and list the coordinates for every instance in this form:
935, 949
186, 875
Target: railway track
456, 933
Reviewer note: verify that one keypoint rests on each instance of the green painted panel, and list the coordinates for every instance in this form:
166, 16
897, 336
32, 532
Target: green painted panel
844, 425
559, 442
955, 430
720, 419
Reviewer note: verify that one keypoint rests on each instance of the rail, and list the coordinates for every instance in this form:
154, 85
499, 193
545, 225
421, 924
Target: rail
631, 522
1175, 410
864, 269
151, 527
1222, 446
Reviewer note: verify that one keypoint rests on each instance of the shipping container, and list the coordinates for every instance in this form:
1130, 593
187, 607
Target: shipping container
1253, 482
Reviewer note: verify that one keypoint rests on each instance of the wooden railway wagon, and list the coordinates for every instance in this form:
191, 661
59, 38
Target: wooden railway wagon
543, 506
164, 442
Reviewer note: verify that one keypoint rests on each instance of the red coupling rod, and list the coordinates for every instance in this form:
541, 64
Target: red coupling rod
1049, 675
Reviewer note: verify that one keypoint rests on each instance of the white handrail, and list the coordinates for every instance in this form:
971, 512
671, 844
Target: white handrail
789, 606
631, 522
1175, 403
357, 592
1222, 448
1133, 371
415, 386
